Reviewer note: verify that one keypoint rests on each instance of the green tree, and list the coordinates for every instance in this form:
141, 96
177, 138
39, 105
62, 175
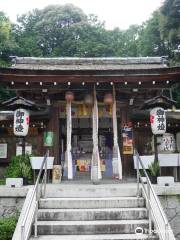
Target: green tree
6, 46
61, 30
5, 94
124, 43
170, 27
150, 40
176, 92
131, 39
5, 30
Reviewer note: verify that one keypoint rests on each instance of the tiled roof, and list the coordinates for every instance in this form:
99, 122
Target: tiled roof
88, 63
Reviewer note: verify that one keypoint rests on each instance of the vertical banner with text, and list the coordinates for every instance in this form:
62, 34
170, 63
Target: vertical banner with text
127, 140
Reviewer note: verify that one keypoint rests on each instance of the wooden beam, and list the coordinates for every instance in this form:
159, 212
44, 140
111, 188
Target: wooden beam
86, 78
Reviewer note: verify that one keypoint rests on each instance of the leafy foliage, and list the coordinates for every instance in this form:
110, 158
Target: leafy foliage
5, 94
7, 44
150, 42
2, 181
177, 94
60, 31
19, 167
7, 227
65, 30
170, 27
154, 168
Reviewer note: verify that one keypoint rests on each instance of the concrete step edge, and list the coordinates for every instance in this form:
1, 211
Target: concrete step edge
55, 210
89, 198
96, 237
98, 222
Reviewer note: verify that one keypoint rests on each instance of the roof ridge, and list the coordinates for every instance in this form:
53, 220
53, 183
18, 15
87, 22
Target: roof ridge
88, 61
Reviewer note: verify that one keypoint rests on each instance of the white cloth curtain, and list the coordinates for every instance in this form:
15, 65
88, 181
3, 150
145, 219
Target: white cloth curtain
68, 155
95, 163
116, 161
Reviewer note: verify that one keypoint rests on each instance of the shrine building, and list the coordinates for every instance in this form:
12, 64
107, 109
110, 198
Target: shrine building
105, 98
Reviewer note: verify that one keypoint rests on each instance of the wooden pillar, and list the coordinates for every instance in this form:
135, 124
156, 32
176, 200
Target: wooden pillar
155, 149
127, 160
53, 126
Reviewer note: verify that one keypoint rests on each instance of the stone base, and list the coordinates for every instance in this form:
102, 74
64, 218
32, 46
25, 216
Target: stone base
165, 181
14, 182
56, 174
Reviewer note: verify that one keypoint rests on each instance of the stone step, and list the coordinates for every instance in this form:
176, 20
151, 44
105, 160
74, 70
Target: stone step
97, 237
84, 203
90, 227
90, 190
92, 214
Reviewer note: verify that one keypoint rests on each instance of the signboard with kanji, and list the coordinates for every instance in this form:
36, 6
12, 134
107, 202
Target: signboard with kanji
21, 122
166, 143
3, 150
127, 140
158, 120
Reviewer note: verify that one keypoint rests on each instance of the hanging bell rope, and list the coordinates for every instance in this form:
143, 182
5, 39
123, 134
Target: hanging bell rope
116, 161
95, 163
68, 156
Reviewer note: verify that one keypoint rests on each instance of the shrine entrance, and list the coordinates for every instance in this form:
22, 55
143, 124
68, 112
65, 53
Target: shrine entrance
82, 141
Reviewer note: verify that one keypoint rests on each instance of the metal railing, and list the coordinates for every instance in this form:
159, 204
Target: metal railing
30, 215
156, 213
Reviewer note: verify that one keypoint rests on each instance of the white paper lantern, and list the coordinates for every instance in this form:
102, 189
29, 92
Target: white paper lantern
88, 100
108, 99
69, 96
158, 120
21, 122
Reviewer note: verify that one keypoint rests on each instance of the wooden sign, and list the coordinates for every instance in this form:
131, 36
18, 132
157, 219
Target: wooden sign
127, 140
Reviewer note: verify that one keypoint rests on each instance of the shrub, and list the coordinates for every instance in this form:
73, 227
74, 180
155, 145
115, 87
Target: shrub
154, 168
19, 167
7, 227
2, 181
14, 170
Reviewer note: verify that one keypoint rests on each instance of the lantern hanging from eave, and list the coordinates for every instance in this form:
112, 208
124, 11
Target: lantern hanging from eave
69, 96
108, 99
88, 100
158, 120
21, 122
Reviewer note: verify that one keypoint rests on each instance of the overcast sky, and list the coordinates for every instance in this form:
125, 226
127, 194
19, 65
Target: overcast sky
115, 13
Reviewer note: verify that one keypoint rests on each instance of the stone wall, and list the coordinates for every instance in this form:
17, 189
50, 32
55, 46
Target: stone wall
11, 200
171, 206
10, 206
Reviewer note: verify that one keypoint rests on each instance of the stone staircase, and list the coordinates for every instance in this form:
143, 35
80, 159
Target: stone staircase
92, 213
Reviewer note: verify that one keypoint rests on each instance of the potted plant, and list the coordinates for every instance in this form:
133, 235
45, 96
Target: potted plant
154, 170
26, 173
20, 167
142, 175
